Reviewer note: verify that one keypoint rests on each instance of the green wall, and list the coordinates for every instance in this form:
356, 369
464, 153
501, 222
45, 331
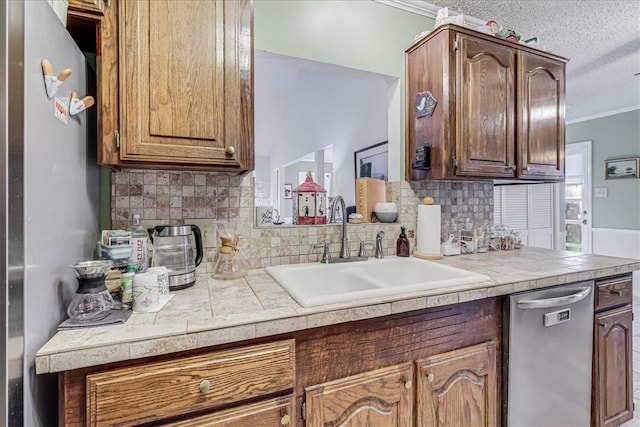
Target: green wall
614, 137
360, 34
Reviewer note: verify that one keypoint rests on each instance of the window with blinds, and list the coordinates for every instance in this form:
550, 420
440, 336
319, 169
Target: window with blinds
528, 209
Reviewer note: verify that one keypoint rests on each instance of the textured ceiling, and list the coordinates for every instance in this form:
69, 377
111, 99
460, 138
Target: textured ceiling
601, 39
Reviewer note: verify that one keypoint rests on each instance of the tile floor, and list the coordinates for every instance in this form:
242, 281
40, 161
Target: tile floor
635, 422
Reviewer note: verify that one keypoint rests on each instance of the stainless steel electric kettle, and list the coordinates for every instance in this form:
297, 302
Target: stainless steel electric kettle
173, 247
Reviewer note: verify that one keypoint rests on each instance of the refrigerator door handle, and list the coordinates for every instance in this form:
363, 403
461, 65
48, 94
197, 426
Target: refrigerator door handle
527, 304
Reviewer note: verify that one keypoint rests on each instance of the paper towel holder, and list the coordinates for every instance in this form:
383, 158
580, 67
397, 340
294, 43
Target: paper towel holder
423, 158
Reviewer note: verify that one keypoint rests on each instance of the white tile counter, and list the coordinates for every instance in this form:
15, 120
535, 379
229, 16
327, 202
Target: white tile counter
216, 312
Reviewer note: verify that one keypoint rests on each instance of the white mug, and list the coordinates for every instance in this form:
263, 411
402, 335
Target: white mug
266, 216
146, 292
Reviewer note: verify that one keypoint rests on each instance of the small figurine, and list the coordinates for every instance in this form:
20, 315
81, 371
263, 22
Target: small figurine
494, 28
511, 36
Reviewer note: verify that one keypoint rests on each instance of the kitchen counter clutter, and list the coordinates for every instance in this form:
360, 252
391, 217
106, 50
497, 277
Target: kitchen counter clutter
215, 312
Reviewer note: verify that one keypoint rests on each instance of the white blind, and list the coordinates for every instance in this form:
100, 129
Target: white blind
515, 207
541, 206
527, 209
497, 205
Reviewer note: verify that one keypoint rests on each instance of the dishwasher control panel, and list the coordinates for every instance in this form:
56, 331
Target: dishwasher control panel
557, 317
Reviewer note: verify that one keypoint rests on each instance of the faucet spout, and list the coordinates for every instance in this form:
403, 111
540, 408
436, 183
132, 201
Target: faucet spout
379, 252
344, 247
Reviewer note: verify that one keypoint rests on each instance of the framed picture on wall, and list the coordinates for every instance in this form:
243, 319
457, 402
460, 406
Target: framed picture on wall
373, 161
622, 168
288, 189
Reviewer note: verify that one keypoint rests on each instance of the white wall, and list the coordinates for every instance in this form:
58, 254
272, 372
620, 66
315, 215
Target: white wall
303, 106
619, 243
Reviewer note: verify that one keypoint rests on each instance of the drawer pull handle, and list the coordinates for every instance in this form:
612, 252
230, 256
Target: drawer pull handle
617, 292
285, 419
408, 384
430, 378
205, 386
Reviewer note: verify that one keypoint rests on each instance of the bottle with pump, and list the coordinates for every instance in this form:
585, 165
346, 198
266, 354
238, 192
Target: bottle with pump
402, 244
140, 240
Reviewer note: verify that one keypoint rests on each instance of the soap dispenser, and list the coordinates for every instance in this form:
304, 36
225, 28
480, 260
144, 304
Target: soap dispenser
402, 244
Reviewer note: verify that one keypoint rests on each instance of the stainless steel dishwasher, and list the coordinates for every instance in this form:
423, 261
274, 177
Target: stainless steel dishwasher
548, 346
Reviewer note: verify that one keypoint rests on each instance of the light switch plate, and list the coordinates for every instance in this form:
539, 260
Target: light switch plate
601, 192
208, 230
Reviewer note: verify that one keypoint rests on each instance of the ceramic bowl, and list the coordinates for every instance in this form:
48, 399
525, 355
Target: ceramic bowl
386, 216
386, 211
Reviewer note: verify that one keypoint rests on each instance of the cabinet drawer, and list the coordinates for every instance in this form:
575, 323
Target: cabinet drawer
613, 292
272, 412
157, 390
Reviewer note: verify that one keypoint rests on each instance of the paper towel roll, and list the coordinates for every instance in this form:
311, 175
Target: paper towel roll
428, 230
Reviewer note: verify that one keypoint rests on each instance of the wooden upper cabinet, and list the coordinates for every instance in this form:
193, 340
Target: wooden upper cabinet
499, 108
380, 398
183, 93
95, 7
458, 388
485, 137
541, 114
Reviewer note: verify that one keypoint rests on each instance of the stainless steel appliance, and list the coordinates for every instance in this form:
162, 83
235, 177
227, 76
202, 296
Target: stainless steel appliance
548, 347
173, 247
49, 187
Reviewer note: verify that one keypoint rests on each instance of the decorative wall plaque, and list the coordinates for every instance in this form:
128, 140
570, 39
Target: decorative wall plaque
425, 104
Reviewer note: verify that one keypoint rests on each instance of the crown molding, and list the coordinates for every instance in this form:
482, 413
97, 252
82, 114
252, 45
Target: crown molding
421, 7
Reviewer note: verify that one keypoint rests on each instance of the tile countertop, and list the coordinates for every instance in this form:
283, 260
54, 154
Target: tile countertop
216, 312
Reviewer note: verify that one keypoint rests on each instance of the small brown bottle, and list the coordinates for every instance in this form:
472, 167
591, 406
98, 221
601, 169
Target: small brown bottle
402, 244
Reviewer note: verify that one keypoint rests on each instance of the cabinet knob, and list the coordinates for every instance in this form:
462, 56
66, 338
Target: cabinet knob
603, 324
285, 419
513, 167
205, 386
431, 377
230, 150
528, 168
408, 384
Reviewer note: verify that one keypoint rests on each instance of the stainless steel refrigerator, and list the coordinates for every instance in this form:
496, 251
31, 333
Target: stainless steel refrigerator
48, 202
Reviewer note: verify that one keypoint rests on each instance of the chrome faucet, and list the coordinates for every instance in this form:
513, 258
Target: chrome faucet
344, 248
379, 253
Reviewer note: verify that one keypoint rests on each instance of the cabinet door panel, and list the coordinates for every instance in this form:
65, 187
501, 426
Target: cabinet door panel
381, 398
485, 143
613, 398
172, 79
458, 388
542, 128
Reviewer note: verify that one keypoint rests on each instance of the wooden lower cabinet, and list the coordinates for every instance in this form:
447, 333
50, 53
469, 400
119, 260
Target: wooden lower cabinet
458, 388
613, 375
273, 412
360, 373
382, 398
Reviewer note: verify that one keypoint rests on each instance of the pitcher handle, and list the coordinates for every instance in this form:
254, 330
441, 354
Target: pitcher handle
196, 232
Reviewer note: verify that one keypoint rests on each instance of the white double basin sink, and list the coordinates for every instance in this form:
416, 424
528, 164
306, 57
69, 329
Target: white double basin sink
318, 284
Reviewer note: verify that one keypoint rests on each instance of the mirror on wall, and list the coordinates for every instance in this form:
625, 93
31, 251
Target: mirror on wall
313, 116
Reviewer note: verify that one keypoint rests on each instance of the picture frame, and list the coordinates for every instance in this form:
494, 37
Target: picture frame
288, 191
372, 161
622, 168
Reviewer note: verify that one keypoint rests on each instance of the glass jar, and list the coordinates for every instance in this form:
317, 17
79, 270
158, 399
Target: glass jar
482, 243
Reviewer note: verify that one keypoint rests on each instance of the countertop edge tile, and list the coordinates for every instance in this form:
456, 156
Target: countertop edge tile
69, 360
510, 272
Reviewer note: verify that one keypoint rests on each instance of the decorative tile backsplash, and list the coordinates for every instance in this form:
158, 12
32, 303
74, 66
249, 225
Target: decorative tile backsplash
174, 197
